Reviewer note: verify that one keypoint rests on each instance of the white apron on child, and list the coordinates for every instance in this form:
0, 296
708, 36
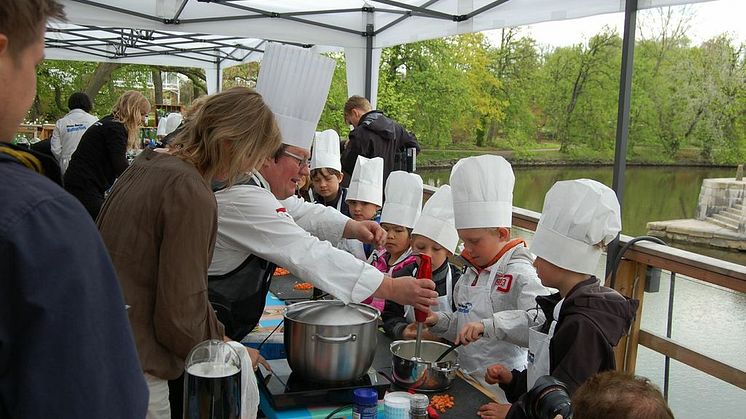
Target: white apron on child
353, 247
444, 301
538, 349
475, 304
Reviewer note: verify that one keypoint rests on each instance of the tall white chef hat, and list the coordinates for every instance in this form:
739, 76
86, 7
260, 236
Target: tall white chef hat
482, 189
436, 221
366, 183
403, 199
294, 83
326, 151
578, 215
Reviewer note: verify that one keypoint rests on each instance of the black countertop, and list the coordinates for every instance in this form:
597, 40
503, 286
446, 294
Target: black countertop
467, 398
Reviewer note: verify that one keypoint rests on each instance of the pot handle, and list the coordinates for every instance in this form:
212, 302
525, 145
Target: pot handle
341, 339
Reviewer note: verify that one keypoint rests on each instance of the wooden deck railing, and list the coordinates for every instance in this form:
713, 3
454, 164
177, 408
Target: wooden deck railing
630, 281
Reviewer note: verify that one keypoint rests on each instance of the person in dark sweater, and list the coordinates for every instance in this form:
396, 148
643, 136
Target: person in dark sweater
435, 235
584, 320
66, 349
101, 155
374, 135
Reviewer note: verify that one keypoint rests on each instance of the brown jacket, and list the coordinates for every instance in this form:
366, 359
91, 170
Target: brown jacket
159, 224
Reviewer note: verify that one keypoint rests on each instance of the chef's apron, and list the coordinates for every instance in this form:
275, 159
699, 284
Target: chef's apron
474, 303
444, 301
538, 349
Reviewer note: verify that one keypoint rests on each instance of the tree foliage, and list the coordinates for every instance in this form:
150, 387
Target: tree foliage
465, 91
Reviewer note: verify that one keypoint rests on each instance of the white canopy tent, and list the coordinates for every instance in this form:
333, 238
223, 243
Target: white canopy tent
215, 34
221, 33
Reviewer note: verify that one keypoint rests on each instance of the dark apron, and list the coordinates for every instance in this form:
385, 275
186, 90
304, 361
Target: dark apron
239, 296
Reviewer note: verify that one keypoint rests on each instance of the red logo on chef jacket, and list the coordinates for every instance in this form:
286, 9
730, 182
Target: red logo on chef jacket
282, 212
503, 282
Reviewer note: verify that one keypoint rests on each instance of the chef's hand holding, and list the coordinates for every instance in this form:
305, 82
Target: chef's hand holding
366, 231
470, 333
498, 374
407, 290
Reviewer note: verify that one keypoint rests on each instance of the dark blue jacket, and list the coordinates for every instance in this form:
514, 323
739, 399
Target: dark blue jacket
66, 349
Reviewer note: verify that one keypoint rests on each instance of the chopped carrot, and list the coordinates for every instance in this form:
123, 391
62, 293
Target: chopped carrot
281, 271
303, 286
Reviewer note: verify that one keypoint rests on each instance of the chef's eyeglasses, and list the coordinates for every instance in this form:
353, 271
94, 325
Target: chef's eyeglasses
301, 161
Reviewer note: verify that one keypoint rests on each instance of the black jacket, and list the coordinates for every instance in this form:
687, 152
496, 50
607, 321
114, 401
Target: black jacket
99, 159
341, 195
394, 321
591, 322
376, 136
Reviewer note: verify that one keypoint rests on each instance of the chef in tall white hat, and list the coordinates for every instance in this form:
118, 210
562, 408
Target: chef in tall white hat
364, 199
434, 235
499, 279
584, 320
261, 224
326, 172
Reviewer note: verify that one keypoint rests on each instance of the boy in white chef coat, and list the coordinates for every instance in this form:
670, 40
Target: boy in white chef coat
498, 288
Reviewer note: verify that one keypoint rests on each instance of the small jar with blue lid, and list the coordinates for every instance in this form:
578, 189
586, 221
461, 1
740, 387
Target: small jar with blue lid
365, 403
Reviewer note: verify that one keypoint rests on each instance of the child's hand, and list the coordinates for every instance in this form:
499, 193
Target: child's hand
470, 333
409, 332
498, 374
493, 411
432, 319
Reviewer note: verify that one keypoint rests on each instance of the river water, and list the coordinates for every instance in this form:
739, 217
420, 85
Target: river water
706, 318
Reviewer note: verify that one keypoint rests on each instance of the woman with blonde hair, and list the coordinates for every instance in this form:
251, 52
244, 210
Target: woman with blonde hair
159, 224
101, 155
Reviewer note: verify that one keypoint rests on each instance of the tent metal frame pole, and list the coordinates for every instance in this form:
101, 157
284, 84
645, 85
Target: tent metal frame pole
369, 34
622, 124
406, 15
218, 72
422, 10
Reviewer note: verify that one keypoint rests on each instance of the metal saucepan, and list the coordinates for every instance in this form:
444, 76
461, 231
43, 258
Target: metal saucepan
424, 374
326, 340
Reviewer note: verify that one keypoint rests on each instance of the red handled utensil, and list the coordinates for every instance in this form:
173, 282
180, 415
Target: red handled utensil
425, 270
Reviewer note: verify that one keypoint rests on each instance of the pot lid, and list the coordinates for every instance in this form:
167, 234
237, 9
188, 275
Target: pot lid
331, 313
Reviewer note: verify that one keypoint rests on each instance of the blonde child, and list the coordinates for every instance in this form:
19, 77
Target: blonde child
499, 275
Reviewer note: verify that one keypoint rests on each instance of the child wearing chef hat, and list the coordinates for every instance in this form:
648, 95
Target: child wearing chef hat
364, 198
498, 275
584, 320
433, 235
326, 172
400, 212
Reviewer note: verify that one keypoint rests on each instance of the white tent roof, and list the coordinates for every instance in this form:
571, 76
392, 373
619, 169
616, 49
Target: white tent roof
216, 34
340, 23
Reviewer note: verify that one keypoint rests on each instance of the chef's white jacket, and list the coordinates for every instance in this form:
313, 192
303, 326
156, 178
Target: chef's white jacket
252, 221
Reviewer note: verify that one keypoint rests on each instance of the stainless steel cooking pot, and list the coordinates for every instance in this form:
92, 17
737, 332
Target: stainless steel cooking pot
423, 374
326, 340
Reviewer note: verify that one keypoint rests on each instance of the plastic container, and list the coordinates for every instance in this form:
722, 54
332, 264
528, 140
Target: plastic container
396, 405
365, 403
418, 406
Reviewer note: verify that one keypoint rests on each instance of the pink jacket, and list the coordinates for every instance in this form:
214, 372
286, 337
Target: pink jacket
379, 259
